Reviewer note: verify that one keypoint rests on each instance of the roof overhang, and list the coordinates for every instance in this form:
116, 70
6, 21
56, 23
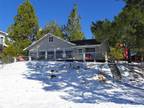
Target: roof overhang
88, 46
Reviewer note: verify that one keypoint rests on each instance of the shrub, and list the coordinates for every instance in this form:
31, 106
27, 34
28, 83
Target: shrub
116, 53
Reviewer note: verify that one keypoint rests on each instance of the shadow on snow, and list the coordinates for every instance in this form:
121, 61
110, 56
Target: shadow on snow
75, 79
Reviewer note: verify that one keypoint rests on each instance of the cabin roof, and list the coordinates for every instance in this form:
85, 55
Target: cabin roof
86, 42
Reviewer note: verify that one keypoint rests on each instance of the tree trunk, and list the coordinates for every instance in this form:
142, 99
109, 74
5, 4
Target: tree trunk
115, 71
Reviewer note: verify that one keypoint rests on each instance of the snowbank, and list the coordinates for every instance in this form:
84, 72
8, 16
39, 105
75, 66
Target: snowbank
31, 85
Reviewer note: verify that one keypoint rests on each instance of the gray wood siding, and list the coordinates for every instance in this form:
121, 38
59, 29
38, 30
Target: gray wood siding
57, 43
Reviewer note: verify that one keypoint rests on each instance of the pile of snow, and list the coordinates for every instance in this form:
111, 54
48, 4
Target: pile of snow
31, 85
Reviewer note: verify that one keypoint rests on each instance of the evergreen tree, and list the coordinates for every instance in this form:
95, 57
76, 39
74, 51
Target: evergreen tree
105, 30
51, 27
25, 27
134, 16
126, 28
101, 29
73, 28
130, 24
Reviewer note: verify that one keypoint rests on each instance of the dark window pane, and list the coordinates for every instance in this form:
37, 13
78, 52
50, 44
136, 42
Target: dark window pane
33, 55
50, 55
68, 54
80, 51
59, 54
1, 40
42, 55
50, 39
90, 49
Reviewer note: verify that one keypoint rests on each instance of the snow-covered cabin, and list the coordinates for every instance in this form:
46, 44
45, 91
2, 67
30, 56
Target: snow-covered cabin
2, 40
51, 47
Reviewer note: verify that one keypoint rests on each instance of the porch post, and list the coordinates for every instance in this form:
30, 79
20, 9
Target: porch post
55, 54
45, 55
29, 56
83, 50
64, 54
37, 53
95, 55
106, 57
15, 60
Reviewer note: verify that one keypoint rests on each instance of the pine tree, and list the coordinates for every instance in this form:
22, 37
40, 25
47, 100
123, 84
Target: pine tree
134, 13
24, 30
126, 28
51, 27
105, 30
101, 29
73, 28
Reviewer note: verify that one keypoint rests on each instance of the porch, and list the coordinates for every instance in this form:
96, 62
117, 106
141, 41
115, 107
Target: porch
52, 54
76, 53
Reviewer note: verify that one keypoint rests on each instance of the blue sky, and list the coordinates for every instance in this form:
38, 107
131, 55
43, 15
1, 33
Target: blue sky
59, 10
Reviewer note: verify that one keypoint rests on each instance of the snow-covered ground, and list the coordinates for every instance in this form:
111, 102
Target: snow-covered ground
69, 85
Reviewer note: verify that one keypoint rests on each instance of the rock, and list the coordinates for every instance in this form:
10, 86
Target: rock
53, 76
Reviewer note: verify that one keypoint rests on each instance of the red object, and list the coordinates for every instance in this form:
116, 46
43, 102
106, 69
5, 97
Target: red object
88, 57
126, 53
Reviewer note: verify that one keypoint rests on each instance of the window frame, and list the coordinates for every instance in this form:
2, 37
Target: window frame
51, 39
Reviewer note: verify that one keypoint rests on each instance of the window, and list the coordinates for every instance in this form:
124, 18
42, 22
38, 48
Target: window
90, 49
42, 55
33, 55
59, 54
90, 53
50, 39
80, 51
50, 55
69, 54
80, 54
1, 40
